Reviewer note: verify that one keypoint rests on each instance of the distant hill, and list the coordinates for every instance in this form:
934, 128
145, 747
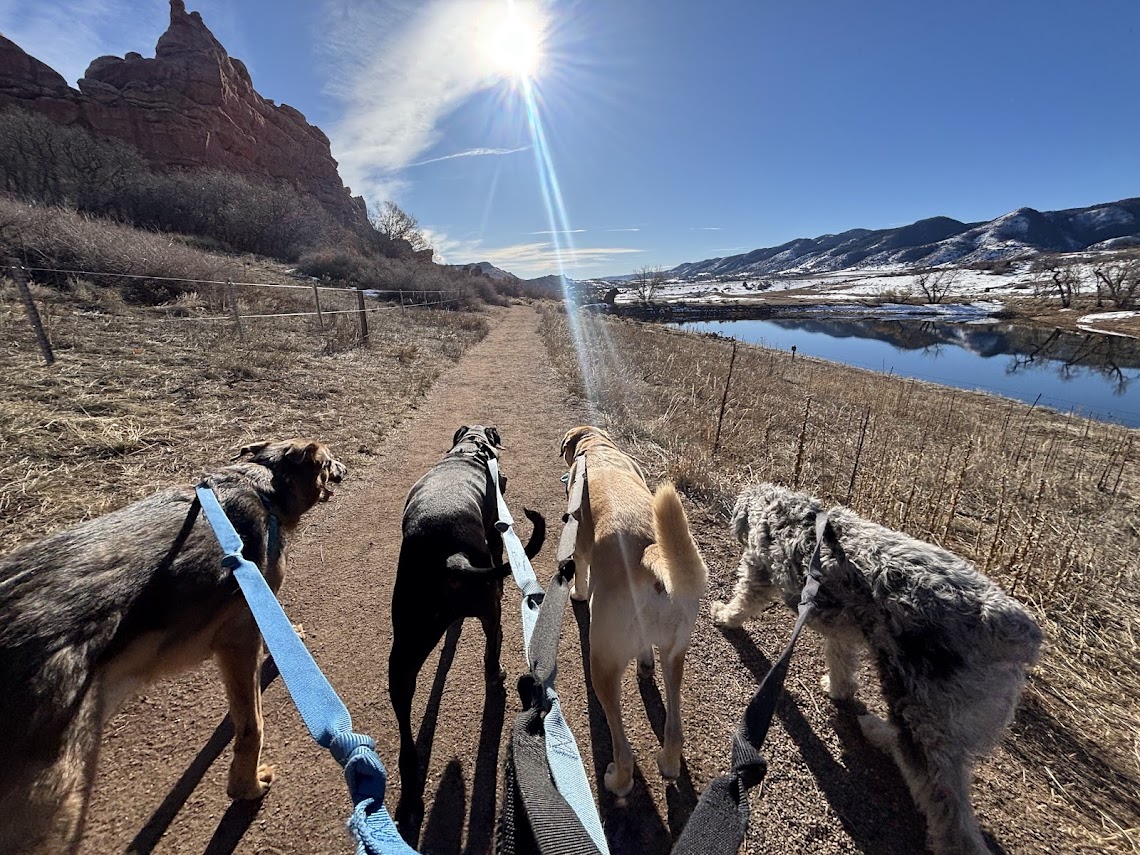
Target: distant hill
939, 240
552, 283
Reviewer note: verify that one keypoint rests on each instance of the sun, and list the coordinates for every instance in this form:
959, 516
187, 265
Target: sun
513, 43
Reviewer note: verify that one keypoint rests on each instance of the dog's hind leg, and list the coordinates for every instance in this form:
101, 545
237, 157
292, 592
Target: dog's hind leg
672, 672
749, 598
606, 677
939, 782
51, 819
645, 663
492, 622
238, 657
414, 638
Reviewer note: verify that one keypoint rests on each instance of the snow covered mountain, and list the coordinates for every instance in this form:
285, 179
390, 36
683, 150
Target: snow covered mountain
939, 240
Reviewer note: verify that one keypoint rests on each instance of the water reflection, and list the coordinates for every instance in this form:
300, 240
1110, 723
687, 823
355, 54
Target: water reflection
1087, 372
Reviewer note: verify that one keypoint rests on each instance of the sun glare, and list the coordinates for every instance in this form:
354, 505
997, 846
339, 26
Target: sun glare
514, 42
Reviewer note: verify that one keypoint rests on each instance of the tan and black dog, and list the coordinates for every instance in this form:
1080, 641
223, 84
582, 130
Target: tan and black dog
92, 614
638, 564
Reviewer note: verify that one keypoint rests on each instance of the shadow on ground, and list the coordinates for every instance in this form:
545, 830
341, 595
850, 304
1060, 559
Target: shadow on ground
236, 820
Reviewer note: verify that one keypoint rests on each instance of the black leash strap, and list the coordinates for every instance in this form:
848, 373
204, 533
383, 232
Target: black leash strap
720, 819
535, 817
575, 494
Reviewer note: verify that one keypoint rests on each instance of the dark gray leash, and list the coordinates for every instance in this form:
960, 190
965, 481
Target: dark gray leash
720, 818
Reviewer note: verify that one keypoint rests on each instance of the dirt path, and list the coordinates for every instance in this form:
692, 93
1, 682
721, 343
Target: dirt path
161, 783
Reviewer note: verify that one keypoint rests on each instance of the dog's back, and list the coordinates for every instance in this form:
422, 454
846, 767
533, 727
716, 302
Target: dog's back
932, 587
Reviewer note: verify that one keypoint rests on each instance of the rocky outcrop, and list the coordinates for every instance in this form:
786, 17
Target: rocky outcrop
192, 105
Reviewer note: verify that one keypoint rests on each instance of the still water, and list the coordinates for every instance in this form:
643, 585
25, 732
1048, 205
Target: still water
1090, 373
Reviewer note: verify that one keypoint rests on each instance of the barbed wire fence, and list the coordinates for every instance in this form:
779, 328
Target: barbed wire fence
393, 299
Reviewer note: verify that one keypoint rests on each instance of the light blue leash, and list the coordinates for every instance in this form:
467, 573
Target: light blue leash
561, 748
324, 713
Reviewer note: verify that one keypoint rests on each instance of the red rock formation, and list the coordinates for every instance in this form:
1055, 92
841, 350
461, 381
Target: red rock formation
192, 105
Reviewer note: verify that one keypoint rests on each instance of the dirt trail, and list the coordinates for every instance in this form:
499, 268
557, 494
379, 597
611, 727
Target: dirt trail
161, 783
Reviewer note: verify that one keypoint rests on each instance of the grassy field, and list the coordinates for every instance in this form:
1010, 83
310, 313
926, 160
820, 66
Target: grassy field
1045, 504
142, 397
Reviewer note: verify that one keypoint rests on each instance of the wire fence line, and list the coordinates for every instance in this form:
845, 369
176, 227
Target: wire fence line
20, 272
309, 287
321, 313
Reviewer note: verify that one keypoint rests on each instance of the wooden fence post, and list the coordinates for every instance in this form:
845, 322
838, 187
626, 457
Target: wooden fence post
317, 300
30, 307
724, 399
234, 309
362, 315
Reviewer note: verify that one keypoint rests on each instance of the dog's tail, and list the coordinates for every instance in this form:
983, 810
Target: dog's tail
460, 562
683, 572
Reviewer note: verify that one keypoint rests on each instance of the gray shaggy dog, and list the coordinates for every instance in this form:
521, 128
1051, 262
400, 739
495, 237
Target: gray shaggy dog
951, 648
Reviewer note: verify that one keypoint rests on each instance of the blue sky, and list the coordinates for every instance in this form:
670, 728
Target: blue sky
677, 131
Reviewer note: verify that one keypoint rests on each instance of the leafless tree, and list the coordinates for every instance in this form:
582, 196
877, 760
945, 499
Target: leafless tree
394, 224
1059, 275
1118, 278
935, 283
646, 283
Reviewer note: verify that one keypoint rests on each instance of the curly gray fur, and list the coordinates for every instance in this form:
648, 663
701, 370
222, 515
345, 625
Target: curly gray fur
951, 648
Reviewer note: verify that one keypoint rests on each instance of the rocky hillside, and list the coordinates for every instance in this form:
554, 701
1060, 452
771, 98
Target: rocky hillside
940, 240
192, 105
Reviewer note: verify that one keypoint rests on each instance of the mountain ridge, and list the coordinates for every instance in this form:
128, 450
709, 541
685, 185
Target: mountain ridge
938, 240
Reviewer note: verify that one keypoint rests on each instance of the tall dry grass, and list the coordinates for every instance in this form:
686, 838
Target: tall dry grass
1046, 504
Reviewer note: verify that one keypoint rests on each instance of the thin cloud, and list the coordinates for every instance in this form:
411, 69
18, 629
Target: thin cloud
705, 228
399, 67
472, 152
527, 260
623, 230
557, 232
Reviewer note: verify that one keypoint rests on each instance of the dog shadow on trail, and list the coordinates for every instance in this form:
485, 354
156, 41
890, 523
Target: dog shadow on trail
867, 790
237, 818
632, 824
443, 825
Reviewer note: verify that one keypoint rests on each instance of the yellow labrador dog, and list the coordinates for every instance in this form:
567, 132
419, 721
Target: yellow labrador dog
645, 579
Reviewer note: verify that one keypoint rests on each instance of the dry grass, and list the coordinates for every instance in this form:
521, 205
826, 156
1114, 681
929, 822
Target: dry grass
141, 398
1044, 504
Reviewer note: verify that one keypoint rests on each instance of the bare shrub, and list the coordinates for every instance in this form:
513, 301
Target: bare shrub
1059, 276
935, 284
1118, 278
647, 281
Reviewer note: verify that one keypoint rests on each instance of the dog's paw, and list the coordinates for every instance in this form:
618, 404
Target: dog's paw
878, 732
839, 690
723, 616
578, 597
618, 784
669, 767
254, 789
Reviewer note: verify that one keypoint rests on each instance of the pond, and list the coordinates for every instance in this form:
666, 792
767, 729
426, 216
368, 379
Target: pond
1089, 373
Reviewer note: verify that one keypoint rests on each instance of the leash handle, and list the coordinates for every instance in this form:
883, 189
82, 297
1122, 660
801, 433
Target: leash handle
322, 710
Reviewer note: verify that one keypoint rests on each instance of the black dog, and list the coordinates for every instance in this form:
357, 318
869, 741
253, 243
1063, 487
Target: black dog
451, 567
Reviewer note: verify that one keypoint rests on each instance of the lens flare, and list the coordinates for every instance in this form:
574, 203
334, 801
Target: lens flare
591, 340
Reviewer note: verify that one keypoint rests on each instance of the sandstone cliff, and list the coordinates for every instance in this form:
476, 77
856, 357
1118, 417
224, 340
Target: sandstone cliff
192, 105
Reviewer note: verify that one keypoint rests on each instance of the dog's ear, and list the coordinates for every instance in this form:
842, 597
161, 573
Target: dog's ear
458, 436
300, 452
252, 450
493, 435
